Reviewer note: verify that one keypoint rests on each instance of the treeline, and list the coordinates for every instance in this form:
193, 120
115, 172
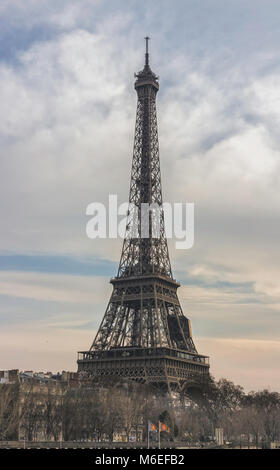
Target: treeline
252, 419
48, 412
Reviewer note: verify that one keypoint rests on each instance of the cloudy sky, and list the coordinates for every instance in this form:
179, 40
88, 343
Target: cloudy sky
66, 131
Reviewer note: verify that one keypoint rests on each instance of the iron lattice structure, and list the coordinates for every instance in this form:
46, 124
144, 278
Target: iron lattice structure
144, 334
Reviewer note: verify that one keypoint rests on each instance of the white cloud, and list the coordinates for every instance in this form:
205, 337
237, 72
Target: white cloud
54, 287
48, 318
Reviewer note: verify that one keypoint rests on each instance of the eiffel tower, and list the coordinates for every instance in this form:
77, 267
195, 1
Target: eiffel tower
144, 334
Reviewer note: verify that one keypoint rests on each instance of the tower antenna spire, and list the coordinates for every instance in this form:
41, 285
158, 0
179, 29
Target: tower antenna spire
147, 50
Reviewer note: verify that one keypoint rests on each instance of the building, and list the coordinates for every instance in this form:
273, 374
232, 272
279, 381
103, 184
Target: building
144, 334
9, 376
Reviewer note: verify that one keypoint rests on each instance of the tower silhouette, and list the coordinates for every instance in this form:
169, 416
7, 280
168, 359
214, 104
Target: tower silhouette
144, 334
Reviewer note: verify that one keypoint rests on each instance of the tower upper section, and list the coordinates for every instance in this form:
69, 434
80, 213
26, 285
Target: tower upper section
146, 76
145, 250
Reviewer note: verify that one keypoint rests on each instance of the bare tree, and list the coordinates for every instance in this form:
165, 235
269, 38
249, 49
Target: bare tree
31, 410
52, 413
9, 411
